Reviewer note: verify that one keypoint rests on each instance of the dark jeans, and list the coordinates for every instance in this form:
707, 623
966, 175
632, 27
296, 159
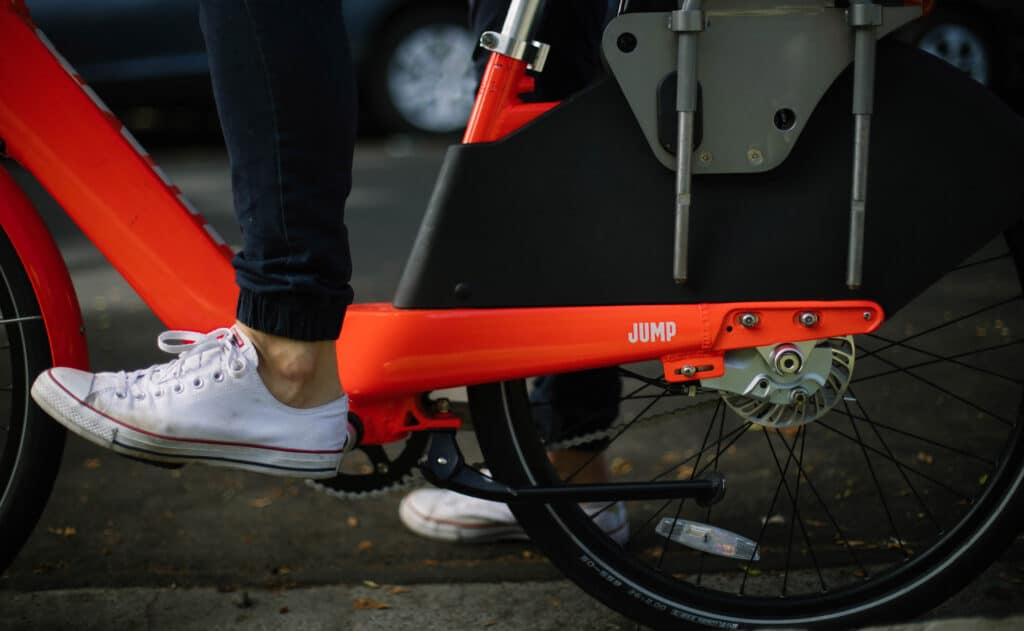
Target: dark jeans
285, 91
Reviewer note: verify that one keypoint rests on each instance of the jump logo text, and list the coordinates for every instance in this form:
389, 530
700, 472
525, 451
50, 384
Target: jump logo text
647, 332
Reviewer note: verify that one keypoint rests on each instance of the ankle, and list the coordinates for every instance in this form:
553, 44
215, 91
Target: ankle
298, 373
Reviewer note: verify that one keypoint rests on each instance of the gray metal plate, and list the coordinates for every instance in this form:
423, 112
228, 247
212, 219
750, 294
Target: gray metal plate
752, 62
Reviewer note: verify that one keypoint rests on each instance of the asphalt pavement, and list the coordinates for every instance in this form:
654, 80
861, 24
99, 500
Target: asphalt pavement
124, 545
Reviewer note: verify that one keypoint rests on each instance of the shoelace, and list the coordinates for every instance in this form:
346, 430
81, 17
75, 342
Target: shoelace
187, 345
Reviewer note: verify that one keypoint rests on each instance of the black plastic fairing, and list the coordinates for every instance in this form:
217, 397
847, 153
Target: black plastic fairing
574, 210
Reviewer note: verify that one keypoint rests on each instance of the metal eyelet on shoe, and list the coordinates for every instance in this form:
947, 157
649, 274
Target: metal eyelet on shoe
178, 388
158, 393
198, 383
140, 396
236, 367
218, 376
121, 395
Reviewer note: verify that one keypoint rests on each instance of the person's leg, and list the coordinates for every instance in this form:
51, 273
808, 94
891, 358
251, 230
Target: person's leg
263, 395
566, 406
285, 92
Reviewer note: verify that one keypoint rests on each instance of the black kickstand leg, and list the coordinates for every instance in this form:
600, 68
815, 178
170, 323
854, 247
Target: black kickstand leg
443, 465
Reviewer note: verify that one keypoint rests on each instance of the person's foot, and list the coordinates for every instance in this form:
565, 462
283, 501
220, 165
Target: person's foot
208, 406
448, 516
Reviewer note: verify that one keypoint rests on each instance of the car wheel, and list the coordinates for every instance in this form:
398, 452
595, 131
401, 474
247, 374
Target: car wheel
962, 42
422, 77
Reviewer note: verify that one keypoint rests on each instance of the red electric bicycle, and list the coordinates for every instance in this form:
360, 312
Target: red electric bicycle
821, 378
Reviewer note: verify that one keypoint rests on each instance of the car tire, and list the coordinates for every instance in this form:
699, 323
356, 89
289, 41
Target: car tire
421, 78
962, 40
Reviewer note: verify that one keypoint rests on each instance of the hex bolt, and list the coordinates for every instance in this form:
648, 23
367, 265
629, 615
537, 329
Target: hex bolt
689, 371
706, 157
489, 40
798, 396
808, 318
749, 320
443, 406
755, 157
867, 315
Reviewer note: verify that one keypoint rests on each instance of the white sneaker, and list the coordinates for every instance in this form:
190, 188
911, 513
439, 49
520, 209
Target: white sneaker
209, 406
448, 516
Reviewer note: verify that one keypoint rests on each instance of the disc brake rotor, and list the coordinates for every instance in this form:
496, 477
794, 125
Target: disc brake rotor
764, 386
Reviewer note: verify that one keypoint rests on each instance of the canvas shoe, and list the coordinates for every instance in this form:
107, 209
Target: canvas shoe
448, 516
208, 406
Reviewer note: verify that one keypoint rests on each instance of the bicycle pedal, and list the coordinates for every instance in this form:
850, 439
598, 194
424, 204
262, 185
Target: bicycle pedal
708, 538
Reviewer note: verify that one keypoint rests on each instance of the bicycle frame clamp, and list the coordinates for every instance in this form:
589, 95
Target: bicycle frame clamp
864, 17
444, 466
688, 22
514, 39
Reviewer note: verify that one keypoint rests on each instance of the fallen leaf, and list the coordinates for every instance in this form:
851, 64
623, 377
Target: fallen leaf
983, 479
773, 520
398, 589
752, 571
925, 457
554, 602
352, 522
93, 463
431, 562
371, 584
364, 545
66, 531
369, 603
621, 466
685, 472
860, 573
527, 554
261, 502
670, 457
282, 610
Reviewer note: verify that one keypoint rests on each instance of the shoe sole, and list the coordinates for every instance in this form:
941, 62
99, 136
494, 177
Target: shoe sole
107, 432
444, 530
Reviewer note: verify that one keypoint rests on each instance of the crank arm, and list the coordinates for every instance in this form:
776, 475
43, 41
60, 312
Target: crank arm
443, 465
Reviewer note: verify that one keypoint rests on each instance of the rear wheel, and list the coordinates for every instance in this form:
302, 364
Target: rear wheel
31, 443
880, 509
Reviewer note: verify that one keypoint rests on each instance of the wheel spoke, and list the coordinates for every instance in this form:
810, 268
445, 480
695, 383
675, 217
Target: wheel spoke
875, 451
878, 485
937, 359
923, 439
944, 324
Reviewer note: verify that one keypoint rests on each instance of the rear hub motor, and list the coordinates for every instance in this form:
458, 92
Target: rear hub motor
786, 385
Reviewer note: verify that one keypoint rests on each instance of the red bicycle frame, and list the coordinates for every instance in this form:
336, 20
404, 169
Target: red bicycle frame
55, 126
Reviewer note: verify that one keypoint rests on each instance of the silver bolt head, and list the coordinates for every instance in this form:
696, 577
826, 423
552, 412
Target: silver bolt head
689, 371
749, 320
706, 156
867, 315
488, 40
808, 318
755, 157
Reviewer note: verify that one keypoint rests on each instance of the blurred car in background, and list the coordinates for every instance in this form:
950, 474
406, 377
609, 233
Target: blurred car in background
411, 56
984, 38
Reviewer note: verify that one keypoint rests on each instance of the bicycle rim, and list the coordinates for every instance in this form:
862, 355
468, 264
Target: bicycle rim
882, 508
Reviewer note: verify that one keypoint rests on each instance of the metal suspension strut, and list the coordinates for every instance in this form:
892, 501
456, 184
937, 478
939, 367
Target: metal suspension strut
864, 17
514, 39
688, 22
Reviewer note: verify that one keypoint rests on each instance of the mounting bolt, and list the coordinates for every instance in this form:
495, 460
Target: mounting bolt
442, 460
798, 396
749, 320
867, 315
755, 157
688, 371
443, 406
706, 157
808, 318
489, 40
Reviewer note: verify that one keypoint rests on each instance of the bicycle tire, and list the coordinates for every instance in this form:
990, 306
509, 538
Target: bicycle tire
910, 575
31, 444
